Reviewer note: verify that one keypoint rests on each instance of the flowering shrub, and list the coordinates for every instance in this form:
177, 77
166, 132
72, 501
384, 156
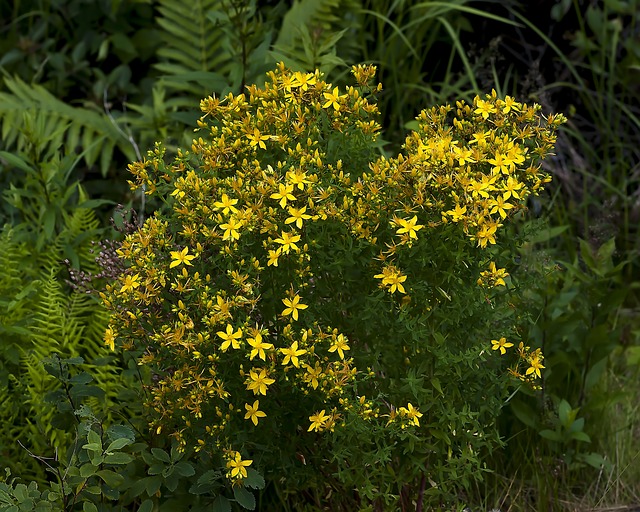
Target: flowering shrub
325, 315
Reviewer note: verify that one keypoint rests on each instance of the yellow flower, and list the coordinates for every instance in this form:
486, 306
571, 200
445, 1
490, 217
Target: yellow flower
109, 338
340, 345
303, 80
231, 229
258, 347
408, 226
230, 338
238, 466
536, 366
256, 139
511, 188
318, 421
457, 213
501, 345
313, 374
291, 354
183, 256
293, 305
297, 216
259, 382
284, 194
298, 178
226, 204
510, 104
288, 241
130, 282
333, 99
484, 108
500, 163
253, 413
412, 413
273, 257
392, 278
499, 205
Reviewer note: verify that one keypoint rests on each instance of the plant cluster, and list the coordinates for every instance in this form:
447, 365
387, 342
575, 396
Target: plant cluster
297, 283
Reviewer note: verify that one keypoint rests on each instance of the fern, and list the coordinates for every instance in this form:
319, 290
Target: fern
196, 51
42, 316
311, 32
33, 110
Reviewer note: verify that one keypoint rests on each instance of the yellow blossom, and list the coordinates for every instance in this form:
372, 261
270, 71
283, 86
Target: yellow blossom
340, 344
291, 354
484, 108
318, 421
284, 194
502, 344
288, 242
293, 305
412, 413
259, 382
231, 229
238, 466
297, 216
408, 226
109, 338
179, 257
257, 139
130, 283
333, 99
535, 366
258, 346
253, 412
273, 257
230, 338
226, 204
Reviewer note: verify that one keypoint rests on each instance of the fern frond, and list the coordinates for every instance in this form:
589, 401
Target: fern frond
55, 123
311, 31
196, 50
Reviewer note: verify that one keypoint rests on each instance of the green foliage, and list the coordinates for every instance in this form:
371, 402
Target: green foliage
577, 313
110, 465
31, 113
597, 165
285, 202
313, 35
41, 314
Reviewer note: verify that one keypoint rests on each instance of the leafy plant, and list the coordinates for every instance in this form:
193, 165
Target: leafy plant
297, 283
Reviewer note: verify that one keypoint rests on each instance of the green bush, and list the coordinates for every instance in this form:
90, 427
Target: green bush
325, 315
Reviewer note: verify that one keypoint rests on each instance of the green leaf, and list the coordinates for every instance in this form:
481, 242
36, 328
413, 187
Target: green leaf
118, 444
16, 161
118, 458
185, 469
111, 478
121, 431
88, 470
153, 484
435, 382
221, 504
524, 413
87, 506
580, 436
160, 454
146, 506
551, 435
245, 498
254, 479
94, 438
564, 413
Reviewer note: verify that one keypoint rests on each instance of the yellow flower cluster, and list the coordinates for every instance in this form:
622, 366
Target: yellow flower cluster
531, 359
219, 296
